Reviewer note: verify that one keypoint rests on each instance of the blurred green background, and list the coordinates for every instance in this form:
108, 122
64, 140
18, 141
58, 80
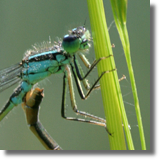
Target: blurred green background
22, 23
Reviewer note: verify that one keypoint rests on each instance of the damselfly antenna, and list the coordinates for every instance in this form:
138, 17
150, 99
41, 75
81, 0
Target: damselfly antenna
85, 22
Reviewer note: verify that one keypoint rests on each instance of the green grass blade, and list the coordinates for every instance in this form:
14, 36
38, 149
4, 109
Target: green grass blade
119, 8
111, 93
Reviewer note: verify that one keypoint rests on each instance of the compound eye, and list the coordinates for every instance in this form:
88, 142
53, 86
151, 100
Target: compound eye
69, 38
71, 43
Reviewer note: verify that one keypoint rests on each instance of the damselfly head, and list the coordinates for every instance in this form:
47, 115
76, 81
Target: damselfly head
77, 39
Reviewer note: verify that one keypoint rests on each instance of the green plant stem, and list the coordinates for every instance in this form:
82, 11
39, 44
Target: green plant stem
111, 93
119, 9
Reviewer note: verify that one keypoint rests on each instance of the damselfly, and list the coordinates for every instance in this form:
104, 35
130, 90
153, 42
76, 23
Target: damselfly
45, 60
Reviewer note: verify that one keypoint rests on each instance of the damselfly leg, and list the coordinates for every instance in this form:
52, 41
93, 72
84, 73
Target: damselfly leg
78, 77
79, 70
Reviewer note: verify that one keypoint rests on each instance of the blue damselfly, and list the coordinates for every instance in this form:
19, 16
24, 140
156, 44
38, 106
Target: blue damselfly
51, 58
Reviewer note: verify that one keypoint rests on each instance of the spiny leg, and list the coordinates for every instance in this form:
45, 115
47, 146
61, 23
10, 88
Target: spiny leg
79, 70
84, 60
78, 84
88, 93
94, 86
90, 68
80, 73
67, 79
87, 64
